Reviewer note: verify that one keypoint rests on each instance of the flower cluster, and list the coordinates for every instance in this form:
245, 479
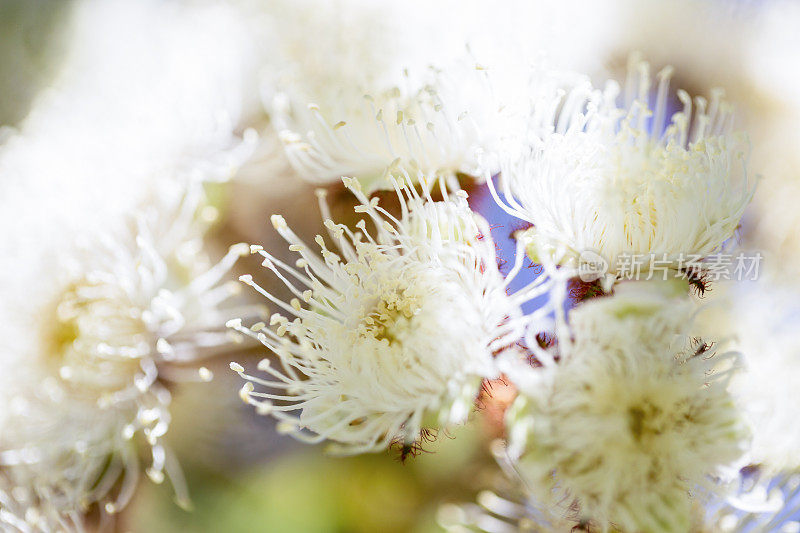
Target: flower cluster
624, 419
625, 411
440, 127
635, 417
391, 334
592, 174
113, 296
132, 311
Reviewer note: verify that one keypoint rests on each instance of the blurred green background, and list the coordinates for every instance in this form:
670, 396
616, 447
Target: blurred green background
250, 479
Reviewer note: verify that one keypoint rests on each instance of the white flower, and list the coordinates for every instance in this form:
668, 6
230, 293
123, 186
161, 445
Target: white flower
140, 298
633, 419
145, 104
389, 335
759, 507
760, 503
315, 85
95, 344
148, 92
760, 317
440, 129
74, 456
592, 175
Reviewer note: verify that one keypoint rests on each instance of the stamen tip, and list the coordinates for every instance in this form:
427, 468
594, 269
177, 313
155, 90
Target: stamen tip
234, 323
278, 222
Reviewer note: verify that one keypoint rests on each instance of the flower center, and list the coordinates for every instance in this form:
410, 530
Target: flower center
392, 314
95, 337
